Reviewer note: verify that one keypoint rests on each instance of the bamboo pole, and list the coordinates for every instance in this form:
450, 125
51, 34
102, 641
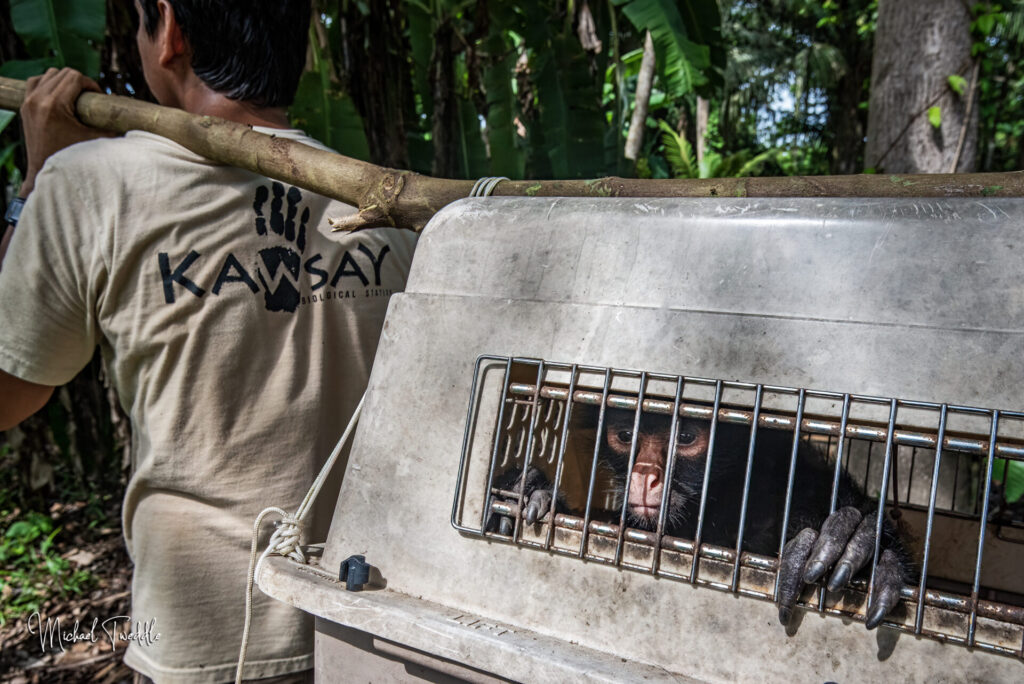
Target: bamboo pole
392, 197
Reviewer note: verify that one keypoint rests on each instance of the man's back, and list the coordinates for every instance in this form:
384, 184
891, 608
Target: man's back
239, 333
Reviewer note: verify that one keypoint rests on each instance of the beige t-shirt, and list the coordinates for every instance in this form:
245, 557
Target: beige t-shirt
239, 333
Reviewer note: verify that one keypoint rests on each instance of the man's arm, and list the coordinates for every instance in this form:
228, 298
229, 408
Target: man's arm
20, 399
50, 124
5, 240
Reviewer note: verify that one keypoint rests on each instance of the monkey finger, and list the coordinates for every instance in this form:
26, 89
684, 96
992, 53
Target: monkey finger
505, 526
537, 506
859, 550
794, 556
888, 582
832, 540
501, 524
534, 479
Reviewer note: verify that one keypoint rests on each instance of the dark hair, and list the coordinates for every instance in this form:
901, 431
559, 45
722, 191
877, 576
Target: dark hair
249, 50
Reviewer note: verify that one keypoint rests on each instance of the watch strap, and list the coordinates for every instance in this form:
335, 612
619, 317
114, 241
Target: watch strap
14, 210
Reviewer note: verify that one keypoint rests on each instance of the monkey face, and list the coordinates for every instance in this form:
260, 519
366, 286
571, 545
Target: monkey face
644, 488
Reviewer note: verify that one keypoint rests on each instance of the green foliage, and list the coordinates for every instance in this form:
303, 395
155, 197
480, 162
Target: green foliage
935, 116
1011, 475
323, 112
506, 156
31, 571
473, 153
530, 100
812, 57
678, 153
57, 33
328, 116
682, 161
541, 100
6, 117
987, 16
420, 32
569, 101
1014, 482
683, 65
957, 84
999, 50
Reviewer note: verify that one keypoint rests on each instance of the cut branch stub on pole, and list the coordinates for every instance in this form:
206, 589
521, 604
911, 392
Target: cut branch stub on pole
391, 197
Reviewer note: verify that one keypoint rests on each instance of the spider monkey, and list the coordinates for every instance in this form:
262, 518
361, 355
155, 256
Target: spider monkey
818, 542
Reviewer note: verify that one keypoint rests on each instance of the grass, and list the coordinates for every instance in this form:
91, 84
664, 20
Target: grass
31, 570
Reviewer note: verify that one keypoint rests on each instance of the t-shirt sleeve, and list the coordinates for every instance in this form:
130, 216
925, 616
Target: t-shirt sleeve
50, 280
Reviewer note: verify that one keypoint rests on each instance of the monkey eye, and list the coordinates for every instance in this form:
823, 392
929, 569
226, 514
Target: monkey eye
686, 438
625, 436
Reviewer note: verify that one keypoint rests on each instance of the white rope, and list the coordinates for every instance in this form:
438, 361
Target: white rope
485, 186
285, 541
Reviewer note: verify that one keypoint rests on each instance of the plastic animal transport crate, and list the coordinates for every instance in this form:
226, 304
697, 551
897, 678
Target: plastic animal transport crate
887, 333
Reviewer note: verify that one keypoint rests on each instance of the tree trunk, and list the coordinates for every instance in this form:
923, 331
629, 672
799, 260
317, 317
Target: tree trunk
918, 44
644, 81
445, 126
703, 111
847, 121
375, 72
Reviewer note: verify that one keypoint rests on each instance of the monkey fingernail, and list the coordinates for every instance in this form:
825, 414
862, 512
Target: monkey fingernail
875, 615
785, 613
540, 502
532, 514
840, 577
814, 571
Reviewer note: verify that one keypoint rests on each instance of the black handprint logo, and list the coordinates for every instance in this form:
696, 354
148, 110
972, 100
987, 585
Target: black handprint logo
281, 260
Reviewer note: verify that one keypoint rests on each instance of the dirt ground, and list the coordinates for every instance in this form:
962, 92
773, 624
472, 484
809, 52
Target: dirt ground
102, 552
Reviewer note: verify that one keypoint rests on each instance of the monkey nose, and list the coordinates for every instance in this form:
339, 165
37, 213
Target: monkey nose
645, 486
646, 477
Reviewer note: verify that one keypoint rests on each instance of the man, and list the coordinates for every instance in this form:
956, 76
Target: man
237, 329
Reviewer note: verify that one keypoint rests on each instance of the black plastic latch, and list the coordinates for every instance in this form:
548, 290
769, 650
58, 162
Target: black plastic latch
355, 572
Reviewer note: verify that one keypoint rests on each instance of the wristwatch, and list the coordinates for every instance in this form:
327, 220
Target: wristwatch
14, 210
